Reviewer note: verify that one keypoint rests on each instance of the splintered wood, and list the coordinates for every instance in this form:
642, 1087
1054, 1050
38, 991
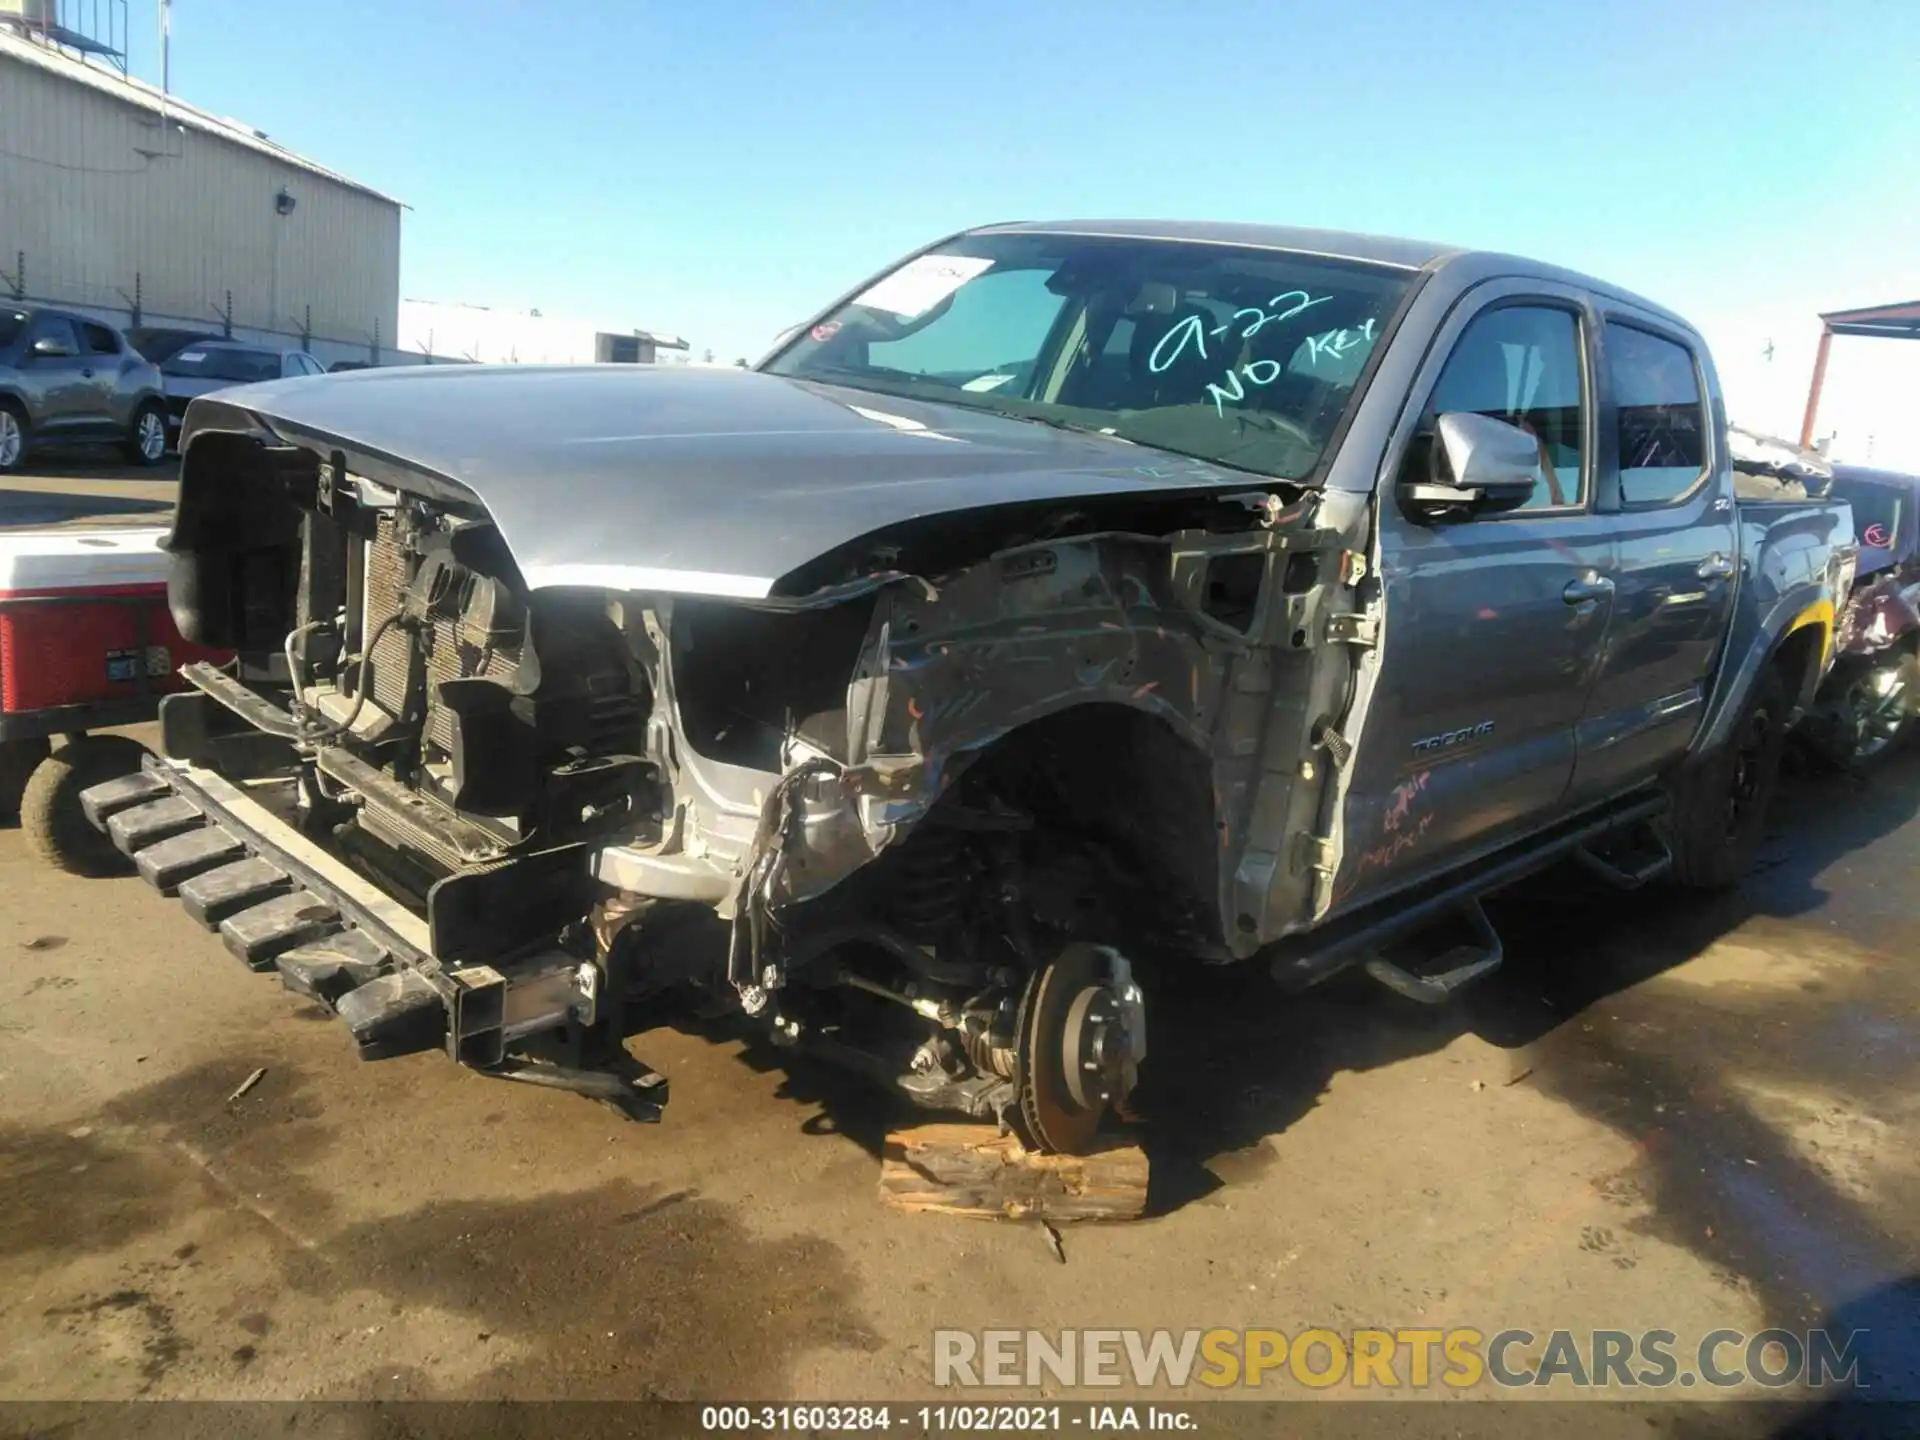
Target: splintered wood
974, 1170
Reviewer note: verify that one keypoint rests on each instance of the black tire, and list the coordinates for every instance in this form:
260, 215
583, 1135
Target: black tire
50, 814
140, 447
16, 438
17, 761
1720, 803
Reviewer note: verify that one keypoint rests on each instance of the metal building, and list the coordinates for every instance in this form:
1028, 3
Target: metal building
438, 332
120, 199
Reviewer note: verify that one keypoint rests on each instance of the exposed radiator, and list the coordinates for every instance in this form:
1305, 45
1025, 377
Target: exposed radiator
386, 572
399, 685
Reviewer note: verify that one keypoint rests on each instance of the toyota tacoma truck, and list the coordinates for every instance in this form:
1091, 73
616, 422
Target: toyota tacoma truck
1068, 601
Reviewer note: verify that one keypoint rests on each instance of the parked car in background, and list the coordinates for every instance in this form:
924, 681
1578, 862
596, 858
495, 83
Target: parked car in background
209, 365
67, 378
160, 343
1869, 699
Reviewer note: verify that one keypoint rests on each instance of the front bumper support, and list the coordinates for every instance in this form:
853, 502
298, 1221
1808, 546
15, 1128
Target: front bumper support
280, 902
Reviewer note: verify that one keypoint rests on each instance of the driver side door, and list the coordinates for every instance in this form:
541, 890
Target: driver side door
57, 390
1493, 626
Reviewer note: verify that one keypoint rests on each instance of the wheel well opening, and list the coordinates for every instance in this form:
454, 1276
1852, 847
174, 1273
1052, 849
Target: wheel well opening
1124, 790
1798, 662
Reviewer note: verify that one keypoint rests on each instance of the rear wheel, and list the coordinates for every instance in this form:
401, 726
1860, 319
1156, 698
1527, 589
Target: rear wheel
1869, 709
50, 813
1720, 804
146, 442
13, 437
17, 761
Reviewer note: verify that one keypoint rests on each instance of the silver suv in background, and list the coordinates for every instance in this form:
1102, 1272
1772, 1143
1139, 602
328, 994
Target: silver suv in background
67, 378
208, 365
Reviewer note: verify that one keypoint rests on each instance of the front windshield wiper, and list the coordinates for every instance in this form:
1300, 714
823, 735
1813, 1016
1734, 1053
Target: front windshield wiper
943, 395
1110, 427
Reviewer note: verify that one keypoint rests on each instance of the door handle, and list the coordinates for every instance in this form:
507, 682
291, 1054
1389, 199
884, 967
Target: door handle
1715, 567
1590, 586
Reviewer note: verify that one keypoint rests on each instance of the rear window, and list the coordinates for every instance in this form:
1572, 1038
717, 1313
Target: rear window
1876, 512
240, 367
12, 324
1663, 421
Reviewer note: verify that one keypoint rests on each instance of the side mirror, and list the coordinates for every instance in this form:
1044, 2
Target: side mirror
1477, 465
48, 348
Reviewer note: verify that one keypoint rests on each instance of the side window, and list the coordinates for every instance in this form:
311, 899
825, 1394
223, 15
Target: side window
1521, 364
98, 339
1663, 424
55, 327
989, 340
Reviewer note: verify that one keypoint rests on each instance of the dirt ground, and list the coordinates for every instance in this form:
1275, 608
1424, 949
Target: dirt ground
84, 487
1663, 1112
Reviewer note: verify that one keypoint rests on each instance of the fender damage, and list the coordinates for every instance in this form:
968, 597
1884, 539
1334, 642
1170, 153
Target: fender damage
1005, 690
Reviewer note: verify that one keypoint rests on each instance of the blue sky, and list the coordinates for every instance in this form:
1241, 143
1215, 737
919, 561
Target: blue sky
722, 169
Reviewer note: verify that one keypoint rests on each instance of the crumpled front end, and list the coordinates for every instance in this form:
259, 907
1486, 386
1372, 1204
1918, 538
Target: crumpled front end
923, 815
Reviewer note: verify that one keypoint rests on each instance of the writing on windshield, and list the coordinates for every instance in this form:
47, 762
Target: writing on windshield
1234, 355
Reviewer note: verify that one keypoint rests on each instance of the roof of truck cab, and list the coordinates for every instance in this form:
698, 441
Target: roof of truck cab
1381, 249
1336, 244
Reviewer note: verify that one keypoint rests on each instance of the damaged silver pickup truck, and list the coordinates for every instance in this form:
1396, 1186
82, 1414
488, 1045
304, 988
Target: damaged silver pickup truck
1069, 600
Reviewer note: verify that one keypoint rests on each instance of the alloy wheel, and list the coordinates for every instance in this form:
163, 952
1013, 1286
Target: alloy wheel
12, 442
1875, 707
152, 435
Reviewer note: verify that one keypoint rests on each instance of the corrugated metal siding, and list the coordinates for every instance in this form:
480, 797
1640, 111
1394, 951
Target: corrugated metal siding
95, 192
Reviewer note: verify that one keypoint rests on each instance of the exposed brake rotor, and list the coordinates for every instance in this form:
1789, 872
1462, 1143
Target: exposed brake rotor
1074, 1052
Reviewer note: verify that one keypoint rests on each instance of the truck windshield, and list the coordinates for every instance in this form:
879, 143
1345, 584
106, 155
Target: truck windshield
1243, 357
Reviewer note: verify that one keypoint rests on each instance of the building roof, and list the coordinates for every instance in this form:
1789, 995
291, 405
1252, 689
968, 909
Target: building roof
150, 97
1892, 322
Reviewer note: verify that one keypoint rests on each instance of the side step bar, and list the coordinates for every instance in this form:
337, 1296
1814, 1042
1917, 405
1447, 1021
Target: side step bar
1461, 965
279, 902
1358, 938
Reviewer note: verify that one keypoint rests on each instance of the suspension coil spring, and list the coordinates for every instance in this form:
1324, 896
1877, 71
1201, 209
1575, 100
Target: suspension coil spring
932, 879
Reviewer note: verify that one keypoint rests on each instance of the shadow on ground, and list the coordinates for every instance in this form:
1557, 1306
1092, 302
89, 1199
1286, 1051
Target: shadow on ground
1235, 1061
622, 1289
43, 509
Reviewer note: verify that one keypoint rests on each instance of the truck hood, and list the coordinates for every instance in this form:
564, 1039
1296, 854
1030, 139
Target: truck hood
696, 481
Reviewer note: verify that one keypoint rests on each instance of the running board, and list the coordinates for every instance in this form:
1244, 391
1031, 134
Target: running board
1461, 965
1307, 959
1628, 858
